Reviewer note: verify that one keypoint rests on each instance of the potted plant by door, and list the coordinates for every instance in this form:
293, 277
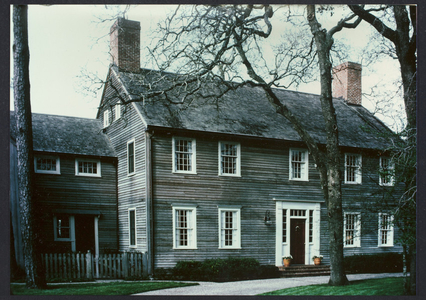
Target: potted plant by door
287, 260
317, 259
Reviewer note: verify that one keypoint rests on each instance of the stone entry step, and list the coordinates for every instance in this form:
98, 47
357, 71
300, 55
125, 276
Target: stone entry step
304, 270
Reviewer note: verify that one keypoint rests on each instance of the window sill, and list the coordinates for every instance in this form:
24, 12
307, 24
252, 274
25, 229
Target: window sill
352, 183
185, 248
229, 175
131, 174
385, 246
230, 248
184, 173
348, 247
89, 175
47, 173
297, 179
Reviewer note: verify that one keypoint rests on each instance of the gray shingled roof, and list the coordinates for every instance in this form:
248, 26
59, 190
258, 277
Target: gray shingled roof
247, 112
70, 135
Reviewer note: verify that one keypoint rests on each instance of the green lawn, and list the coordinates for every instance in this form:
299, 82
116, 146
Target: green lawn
369, 287
111, 288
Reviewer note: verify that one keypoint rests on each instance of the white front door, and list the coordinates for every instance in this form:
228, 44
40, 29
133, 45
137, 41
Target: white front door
297, 230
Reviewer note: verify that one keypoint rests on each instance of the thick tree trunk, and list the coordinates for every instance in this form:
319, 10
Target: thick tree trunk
333, 193
24, 145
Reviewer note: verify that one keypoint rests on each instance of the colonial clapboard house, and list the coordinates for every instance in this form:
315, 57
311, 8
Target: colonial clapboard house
230, 177
75, 186
213, 177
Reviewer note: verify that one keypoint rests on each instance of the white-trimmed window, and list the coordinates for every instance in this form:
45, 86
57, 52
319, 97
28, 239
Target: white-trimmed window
229, 159
386, 173
131, 157
117, 111
63, 226
385, 230
47, 164
184, 227
88, 167
299, 164
353, 164
132, 227
184, 155
352, 230
229, 228
106, 118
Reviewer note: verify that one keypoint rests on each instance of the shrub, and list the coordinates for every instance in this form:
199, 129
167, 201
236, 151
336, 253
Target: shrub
217, 269
374, 263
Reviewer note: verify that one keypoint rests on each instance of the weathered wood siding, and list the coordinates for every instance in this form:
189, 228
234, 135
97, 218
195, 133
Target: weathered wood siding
71, 192
264, 176
131, 189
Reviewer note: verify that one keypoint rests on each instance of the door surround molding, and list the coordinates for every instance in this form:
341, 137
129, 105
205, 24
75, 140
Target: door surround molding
283, 248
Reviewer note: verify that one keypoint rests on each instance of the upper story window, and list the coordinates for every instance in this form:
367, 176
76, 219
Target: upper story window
106, 118
184, 155
352, 230
229, 228
353, 164
385, 230
87, 167
386, 173
47, 165
117, 112
299, 164
131, 157
229, 159
184, 227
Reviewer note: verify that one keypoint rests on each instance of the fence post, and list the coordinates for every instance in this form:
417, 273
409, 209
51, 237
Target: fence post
125, 265
145, 264
89, 265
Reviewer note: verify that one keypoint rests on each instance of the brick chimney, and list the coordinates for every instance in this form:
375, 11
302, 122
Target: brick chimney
347, 82
125, 45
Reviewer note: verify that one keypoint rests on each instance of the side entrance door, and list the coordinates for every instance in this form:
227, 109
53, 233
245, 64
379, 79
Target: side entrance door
84, 233
297, 240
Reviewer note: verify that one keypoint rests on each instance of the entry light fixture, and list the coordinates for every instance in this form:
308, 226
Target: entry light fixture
267, 218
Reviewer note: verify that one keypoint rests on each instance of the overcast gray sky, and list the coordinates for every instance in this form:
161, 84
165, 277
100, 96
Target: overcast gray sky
66, 39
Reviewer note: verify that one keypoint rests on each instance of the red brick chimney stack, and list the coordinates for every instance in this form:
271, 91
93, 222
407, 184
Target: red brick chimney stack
347, 82
125, 45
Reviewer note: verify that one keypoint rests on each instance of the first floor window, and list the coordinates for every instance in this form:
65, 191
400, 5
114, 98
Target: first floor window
386, 171
47, 165
106, 118
229, 159
85, 167
229, 228
184, 155
184, 227
132, 227
385, 230
131, 157
63, 227
298, 164
352, 168
352, 230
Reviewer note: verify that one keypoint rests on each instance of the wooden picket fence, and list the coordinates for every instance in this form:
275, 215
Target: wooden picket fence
72, 266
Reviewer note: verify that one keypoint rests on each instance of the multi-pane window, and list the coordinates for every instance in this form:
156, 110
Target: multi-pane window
229, 228
131, 157
106, 118
284, 225
385, 230
352, 168
386, 171
298, 164
311, 226
132, 227
85, 167
47, 165
117, 112
63, 227
184, 155
184, 226
352, 230
229, 159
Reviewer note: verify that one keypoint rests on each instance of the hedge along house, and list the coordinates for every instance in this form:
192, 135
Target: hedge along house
75, 186
220, 177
